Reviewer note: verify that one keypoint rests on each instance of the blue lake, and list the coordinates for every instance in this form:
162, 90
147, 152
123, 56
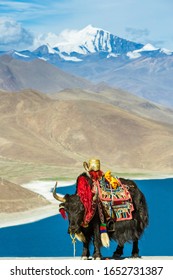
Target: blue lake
49, 238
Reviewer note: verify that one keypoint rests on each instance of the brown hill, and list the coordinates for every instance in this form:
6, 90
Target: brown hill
121, 99
37, 75
14, 198
64, 133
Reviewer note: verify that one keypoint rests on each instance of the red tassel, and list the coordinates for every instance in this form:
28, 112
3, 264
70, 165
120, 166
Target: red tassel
96, 175
63, 213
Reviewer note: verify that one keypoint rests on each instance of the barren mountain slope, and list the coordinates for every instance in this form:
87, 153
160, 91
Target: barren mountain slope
18, 138
34, 128
14, 198
37, 75
121, 99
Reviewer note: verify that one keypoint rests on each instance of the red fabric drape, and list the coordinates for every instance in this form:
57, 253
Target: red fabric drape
85, 193
84, 190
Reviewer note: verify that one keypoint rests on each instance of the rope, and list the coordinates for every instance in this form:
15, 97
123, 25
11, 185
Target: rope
74, 244
111, 201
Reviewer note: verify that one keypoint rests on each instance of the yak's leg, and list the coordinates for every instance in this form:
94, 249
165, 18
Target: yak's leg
119, 252
86, 252
97, 242
135, 250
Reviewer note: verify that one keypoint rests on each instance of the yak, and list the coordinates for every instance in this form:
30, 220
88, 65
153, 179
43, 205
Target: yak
121, 231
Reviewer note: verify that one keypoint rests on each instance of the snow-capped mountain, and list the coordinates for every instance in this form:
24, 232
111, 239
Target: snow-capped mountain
99, 56
90, 40
77, 45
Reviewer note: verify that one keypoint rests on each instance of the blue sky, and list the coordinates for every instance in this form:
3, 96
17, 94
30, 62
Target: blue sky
22, 22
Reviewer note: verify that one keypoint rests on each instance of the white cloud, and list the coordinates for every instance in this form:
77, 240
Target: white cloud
48, 38
54, 40
13, 35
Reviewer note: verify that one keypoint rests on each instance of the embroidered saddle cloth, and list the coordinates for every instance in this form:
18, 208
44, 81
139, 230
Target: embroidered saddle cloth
117, 203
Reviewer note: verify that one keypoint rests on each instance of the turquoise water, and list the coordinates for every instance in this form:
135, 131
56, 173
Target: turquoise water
49, 238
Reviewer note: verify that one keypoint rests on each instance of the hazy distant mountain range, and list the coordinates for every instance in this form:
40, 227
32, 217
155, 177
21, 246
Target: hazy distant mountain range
16, 75
94, 55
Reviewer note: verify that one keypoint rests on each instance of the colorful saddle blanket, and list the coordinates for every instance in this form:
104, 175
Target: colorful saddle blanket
117, 203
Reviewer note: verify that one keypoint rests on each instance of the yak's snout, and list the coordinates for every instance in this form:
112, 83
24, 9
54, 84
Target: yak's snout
73, 228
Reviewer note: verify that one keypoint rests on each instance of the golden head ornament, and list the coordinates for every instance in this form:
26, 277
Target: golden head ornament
92, 165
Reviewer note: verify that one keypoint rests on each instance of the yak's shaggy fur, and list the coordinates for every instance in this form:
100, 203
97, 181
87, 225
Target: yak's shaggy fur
123, 231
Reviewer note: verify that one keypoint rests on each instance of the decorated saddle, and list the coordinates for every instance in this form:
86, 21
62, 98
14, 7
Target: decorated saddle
115, 198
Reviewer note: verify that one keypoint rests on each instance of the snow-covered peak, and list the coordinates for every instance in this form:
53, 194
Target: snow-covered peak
50, 50
89, 29
137, 53
148, 47
166, 51
91, 39
46, 49
80, 41
85, 41
74, 45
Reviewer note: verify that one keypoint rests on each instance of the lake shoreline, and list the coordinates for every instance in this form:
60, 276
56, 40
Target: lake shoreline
30, 216
43, 188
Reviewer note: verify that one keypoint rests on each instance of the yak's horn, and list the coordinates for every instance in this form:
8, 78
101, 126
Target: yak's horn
56, 196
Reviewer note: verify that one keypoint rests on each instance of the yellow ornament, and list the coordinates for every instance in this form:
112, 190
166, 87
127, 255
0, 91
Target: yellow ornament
108, 175
114, 182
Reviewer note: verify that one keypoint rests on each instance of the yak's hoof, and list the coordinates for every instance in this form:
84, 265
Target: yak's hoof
116, 256
84, 258
97, 258
135, 256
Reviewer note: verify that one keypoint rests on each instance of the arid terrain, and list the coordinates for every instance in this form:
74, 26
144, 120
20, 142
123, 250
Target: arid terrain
37, 74
42, 137
14, 198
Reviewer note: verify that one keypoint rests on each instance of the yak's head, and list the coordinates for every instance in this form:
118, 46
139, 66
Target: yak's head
75, 211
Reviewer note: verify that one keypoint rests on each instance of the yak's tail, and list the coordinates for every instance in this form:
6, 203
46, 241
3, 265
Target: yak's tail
105, 239
104, 235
